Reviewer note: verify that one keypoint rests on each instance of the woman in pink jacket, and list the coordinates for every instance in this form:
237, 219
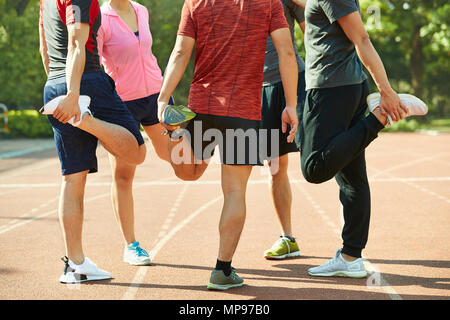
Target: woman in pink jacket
125, 46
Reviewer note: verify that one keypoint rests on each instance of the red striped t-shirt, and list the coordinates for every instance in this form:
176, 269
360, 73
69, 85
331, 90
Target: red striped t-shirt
231, 38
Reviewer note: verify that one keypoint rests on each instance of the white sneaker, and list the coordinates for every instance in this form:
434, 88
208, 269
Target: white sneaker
87, 271
338, 267
415, 106
135, 255
83, 103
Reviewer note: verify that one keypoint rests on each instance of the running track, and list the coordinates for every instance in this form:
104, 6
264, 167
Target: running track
408, 251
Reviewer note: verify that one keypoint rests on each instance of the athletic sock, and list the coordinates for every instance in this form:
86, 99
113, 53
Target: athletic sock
291, 239
225, 266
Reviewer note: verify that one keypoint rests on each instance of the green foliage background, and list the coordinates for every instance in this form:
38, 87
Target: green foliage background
411, 35
394, 35
29, 124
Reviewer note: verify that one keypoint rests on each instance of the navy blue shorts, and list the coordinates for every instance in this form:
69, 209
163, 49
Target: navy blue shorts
145, 110
76, 148
272, 106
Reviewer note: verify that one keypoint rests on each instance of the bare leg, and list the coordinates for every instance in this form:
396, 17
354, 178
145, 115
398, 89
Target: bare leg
234, 185
71, 214
183, 162
159, 141
116, 139
122, 196
281, 193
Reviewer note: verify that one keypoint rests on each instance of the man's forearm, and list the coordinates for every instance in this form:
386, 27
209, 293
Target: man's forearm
174, 72
289, 76
371, 60
45, 60
76, 59
43, 50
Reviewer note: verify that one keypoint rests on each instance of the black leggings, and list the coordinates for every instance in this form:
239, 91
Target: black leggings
336, 133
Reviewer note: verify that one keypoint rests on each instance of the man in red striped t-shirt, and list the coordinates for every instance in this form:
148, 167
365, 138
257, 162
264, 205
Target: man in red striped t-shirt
230, 39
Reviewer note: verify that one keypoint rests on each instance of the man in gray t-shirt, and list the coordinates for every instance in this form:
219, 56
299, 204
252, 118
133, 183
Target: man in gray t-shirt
273, 103
331, 57
336, 130
293, 13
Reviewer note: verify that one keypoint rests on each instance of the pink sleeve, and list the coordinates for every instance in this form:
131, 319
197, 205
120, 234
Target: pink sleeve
100, 41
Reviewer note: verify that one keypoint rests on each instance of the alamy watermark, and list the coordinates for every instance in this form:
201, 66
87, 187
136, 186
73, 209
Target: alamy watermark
239, 146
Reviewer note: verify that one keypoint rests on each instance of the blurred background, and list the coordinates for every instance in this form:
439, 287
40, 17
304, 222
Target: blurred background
412, 38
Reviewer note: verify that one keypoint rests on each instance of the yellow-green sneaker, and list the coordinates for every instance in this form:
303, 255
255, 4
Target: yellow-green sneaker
177, 115
283, 248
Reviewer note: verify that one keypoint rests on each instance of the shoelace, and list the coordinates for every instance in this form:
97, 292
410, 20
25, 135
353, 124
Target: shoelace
280, 242
234, 276
141, 252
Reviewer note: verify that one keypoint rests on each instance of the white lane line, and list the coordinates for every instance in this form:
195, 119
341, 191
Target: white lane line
19, 224
376, 274
19, 221
7, 228
407, 164
18, 153
171, 215
142, 271
32, 167
215, 182
415, 185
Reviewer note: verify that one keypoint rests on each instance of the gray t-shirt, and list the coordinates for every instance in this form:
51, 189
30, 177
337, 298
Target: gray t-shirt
331, 58
272, 75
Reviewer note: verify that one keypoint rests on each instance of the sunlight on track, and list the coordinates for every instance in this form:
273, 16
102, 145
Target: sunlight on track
140, 274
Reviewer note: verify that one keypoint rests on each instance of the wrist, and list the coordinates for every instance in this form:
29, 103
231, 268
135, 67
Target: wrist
386, 90
163, 99
73, 95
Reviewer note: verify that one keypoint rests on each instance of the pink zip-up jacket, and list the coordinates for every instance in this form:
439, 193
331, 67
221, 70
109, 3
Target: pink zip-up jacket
127, 59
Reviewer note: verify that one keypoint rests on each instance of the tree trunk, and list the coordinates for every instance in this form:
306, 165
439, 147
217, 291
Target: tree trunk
417, 63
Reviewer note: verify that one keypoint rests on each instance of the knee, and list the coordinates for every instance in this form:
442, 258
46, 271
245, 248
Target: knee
141, 154
278, 168
313, 176
123, 179
75, 181
73, 185
186, 175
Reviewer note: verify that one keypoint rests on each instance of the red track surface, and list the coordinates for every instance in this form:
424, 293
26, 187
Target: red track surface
408, 249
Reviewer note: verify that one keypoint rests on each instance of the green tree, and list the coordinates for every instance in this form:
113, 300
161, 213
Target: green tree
164, 20
21, 74
412, 38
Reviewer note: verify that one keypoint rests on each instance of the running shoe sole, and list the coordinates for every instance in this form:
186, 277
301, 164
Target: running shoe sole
83, 103
212, 286
283, 256
419, 107
78, 278
177, 115
51, 106
347, 274
143, 263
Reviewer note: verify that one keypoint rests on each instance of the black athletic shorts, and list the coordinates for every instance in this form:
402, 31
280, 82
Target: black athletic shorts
237, 139
273, 103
